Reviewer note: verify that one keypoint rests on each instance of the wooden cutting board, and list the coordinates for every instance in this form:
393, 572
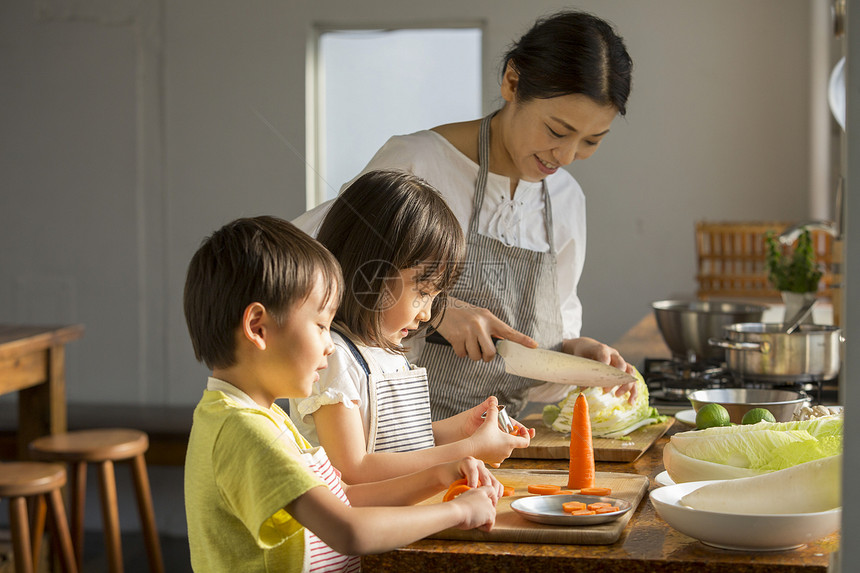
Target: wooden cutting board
512, 527
550, 445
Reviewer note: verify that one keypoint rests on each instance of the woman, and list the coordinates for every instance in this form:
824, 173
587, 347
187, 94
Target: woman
563, 83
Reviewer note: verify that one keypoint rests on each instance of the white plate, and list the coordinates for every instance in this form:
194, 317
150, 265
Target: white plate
547, 509
740, 531
663, 479
687, 417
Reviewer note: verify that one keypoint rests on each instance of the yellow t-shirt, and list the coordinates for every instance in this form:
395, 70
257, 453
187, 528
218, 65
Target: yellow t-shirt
239, 475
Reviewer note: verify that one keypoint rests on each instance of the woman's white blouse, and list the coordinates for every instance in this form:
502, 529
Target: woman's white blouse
515, 222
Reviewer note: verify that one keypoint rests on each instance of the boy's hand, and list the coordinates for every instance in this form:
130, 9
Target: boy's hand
491, 444
477, 474
478, 508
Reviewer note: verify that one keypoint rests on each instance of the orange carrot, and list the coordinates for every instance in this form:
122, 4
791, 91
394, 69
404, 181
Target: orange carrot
509, 490
583, 512
595, 491
611, 509
581, 472
543, 488
571, 506
455, 490
598, 505
564, 492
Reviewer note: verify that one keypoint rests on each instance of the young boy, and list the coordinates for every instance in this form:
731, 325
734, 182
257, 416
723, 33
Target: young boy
259, 299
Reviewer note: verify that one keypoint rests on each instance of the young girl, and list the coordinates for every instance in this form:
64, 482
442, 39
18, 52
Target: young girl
400, 249
259, 299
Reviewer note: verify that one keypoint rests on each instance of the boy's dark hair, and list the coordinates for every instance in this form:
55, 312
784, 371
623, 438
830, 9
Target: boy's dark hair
260, 259
383, 223
572, 53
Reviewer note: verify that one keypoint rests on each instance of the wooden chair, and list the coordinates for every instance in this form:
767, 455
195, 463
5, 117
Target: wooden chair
104, 447
37, 481
730, 259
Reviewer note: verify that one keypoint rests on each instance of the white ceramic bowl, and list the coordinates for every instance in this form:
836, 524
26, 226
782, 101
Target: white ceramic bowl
741, 531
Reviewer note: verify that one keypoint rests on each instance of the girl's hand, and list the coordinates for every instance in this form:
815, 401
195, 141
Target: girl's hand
478, 507
470, 330
590, 348
491, 444
476, 475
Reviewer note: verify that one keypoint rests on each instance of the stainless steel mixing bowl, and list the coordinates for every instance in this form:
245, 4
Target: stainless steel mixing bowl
686, 326
738, 401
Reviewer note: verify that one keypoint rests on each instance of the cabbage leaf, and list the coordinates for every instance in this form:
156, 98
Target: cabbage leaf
611, 416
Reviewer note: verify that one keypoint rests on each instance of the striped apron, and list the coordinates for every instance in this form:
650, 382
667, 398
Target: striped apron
519, 286
399, 406
319, 557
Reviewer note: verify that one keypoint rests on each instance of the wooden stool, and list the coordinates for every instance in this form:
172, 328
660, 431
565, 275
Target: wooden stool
105, 447
19, 480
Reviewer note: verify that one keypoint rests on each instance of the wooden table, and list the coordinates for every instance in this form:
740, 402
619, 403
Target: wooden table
32, 362
647, 544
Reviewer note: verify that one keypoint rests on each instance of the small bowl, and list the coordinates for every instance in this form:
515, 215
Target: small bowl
738, 401
743, 532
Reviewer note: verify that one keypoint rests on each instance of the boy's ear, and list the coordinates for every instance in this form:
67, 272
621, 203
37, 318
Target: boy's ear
255, 324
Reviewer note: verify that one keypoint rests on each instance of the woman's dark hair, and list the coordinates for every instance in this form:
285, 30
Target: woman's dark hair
383, 223
572, 53
261, 259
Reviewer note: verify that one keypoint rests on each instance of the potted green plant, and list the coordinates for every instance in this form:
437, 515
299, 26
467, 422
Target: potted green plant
793, 272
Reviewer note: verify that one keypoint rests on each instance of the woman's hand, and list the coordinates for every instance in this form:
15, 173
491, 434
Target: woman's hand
590, 348
470, 330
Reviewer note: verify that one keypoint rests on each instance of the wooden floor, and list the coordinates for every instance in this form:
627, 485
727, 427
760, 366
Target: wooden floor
175, 550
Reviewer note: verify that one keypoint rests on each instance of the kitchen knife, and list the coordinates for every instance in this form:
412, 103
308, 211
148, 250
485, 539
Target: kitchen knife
551, 366
558, 367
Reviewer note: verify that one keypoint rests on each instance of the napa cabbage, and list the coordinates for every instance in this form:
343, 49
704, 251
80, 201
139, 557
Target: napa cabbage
740, 451
611, 416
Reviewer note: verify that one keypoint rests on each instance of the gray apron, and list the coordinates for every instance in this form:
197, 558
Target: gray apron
399, 406
519, 286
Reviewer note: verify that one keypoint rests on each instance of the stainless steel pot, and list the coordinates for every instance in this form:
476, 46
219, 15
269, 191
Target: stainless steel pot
762, 351
686, 326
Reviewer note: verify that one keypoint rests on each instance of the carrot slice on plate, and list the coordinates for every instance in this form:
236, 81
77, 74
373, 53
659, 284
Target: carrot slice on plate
572, 506
543, 488
595, 490
598, 505
610, 509
583, 512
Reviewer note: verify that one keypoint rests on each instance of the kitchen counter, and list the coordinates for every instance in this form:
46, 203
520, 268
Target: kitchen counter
648, 544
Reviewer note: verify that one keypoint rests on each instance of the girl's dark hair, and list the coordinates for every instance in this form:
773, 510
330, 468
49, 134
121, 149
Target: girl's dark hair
261, 259
572, 53
383, 223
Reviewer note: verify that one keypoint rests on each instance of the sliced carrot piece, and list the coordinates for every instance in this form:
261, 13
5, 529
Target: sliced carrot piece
610, 509
595, 490
455, 490
598, 505
564, 492
509, 490
572, 506
584, 512
543, 488
581, 473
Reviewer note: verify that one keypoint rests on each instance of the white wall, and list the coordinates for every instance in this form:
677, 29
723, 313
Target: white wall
131, 130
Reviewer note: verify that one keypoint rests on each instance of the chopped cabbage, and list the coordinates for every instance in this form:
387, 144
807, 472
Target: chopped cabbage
611, 416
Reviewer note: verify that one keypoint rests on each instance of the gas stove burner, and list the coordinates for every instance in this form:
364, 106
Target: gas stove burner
669, 381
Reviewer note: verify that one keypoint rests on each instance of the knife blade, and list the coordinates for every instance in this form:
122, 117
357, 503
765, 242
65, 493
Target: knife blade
551, 366
558, 367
